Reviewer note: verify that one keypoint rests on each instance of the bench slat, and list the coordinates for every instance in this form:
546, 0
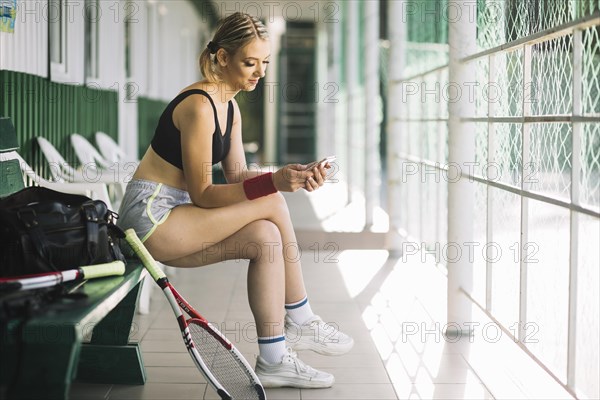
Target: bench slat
103, 295
52, 353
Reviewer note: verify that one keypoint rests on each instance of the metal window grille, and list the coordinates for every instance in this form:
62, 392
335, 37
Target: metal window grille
536, 171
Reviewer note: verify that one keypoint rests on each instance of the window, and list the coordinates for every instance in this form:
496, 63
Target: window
58, 35
92, 16
66, 41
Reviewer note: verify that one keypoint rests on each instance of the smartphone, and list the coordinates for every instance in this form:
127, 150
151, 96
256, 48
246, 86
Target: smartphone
320, 163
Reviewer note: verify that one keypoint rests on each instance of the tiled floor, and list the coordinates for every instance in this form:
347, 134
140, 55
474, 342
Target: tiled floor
219, 291
394, 309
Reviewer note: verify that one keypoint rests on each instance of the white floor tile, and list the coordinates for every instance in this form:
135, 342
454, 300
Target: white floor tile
158, 391
351, 391
443, 392
174, 375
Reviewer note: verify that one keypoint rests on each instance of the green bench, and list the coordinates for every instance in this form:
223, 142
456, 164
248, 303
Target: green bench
40, 356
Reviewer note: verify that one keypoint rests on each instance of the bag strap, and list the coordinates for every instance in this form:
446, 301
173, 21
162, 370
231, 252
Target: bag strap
36, 194
38, 239
91, 224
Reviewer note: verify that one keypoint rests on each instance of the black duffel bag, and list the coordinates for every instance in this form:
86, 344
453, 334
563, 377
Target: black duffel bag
42, 230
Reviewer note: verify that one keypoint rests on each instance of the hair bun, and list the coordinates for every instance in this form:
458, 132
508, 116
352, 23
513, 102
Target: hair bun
213, 47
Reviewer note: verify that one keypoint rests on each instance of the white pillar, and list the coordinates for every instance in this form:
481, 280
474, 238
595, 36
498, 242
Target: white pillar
397, 38
336, 91
372, 112
272, 89
351, 61
462, 35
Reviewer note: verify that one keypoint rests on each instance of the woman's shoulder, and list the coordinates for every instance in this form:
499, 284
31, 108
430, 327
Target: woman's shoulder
186, 95
193, 107
203, 101
237, 114
203, 86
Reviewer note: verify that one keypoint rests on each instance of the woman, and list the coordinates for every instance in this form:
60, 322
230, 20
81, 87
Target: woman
186, 221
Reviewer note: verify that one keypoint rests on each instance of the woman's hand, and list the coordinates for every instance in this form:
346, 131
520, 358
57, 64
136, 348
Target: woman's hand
318, 177
291, 177
295, 176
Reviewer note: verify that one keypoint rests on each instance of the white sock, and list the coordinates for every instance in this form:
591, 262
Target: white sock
272, 348
300, 311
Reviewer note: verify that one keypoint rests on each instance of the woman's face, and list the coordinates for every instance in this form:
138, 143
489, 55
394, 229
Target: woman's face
248, 65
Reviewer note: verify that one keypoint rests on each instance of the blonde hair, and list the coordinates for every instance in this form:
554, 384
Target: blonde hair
233, 33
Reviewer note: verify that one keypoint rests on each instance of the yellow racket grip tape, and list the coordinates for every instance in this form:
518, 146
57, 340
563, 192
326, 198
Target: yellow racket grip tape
107, 269
140, 250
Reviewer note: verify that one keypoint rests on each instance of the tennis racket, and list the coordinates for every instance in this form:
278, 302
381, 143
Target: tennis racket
218, 360
37, 281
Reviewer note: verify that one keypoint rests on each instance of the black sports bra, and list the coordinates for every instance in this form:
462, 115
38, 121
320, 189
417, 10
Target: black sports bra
167, 138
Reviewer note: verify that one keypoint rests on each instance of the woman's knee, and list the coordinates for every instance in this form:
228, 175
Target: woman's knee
265, 231
266, 240
276, 205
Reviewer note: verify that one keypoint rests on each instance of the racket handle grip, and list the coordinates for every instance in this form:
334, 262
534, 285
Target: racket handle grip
144, 255
107, 269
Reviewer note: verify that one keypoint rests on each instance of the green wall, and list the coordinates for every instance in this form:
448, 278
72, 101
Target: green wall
39, 107
149, 111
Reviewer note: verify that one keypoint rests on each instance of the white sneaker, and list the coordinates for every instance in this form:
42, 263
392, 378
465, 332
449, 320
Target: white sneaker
317, 336
291, 372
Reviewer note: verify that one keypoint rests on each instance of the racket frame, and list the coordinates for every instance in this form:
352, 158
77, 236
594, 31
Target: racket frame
174, 299
179, 305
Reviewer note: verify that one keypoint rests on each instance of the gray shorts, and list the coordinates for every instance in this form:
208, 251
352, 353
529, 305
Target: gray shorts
147, 204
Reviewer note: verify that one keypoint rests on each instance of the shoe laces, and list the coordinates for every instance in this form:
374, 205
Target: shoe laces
299, 364
323, 325
325, 328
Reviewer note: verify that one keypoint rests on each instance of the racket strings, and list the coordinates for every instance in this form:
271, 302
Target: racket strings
223, 364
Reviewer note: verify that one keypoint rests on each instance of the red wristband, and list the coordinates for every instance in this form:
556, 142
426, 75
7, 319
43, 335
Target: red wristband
261, 185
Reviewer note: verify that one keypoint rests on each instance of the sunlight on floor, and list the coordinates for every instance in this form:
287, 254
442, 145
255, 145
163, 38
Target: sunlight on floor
403, 305
405, 328
358, 267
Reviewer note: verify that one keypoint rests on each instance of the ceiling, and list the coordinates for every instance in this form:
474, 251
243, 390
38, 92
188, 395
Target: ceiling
268, 10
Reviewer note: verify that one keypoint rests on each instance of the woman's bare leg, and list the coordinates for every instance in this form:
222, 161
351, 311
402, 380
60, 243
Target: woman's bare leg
266, 281
259, 230
294, 281
190, 230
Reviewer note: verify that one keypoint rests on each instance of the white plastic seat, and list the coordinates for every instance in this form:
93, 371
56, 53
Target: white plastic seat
91, 160
110, 150
95, 191
87, 153
60, 169
90, 157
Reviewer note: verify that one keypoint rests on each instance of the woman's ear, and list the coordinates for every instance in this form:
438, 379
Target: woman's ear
222, 57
